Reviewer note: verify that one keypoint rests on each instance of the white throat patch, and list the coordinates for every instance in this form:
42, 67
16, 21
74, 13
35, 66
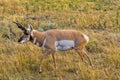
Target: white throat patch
34, 40
43, 46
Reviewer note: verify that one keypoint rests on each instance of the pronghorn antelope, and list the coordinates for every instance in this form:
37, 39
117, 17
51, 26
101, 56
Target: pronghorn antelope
54, 40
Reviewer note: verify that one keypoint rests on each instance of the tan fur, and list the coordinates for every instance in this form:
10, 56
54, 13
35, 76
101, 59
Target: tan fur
55, 35
48, 38
40, 36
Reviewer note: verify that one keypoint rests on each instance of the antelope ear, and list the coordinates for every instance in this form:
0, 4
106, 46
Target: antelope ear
30, 28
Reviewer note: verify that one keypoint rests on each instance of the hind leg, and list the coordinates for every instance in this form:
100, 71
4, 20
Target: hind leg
80, 55
88, 57
54, 58
83, 55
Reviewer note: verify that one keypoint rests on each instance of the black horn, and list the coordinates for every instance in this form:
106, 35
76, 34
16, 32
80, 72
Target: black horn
20, 26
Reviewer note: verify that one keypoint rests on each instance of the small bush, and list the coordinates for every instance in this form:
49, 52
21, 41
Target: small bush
93, 47
46, 26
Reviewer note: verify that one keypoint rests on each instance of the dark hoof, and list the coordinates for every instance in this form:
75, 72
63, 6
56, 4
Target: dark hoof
40, 71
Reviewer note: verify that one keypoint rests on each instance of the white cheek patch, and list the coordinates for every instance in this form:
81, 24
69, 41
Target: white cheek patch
64, 44
32, 33
25, 40
22, 41
28, 38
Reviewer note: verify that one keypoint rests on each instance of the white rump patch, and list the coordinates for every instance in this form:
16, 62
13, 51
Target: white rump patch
86, 38
64, 44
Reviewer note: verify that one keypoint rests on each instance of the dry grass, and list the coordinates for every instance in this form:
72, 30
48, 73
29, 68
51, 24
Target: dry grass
99, 19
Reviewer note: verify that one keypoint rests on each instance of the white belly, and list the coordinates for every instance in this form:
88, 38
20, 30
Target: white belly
64, 44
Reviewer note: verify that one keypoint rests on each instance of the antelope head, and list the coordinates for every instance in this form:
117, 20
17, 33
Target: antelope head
27, 33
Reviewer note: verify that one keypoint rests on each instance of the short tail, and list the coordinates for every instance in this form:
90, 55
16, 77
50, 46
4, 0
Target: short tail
86, 38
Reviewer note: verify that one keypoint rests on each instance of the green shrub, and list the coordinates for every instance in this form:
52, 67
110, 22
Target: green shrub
94, 47
46, 26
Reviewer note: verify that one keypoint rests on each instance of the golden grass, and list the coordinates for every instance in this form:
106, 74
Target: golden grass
99, 19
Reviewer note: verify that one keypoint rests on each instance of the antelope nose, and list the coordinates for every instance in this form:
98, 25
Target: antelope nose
19, 41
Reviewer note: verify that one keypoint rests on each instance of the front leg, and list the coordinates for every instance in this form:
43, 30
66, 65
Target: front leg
50, 46
54, 58
41, 59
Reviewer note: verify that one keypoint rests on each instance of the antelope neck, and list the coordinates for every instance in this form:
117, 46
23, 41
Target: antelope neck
38, 40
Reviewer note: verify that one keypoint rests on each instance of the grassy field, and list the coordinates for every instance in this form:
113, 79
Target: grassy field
99, 19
